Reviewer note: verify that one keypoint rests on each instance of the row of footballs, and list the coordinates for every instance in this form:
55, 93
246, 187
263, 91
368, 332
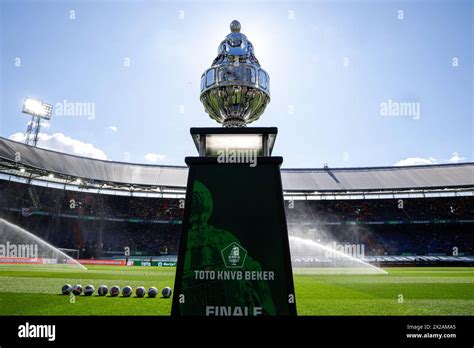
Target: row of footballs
114, 291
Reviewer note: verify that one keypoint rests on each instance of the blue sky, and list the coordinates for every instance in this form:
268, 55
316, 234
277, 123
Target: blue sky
332, 65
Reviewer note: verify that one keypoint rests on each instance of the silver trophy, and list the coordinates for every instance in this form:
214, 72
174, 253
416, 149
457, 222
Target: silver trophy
235, 90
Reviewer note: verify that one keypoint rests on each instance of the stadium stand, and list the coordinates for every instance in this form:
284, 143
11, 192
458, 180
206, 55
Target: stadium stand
101, 207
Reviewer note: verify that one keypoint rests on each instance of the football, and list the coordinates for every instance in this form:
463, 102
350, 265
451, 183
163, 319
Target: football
152, 292
77, 289
66, 289
140, 291
127, 291
166, 292
89, 290
102, 291
114, 291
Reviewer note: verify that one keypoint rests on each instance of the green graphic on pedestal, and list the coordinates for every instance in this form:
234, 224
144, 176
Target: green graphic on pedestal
234, 256
211, 248
234, 260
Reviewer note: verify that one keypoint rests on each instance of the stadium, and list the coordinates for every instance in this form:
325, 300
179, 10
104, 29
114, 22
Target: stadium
403, 235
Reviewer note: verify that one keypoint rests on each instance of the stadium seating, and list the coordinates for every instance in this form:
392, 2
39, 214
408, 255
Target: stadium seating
101, 225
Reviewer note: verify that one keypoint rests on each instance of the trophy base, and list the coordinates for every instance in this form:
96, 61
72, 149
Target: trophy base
234, 257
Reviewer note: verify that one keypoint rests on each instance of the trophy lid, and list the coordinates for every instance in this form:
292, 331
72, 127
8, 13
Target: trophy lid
235, 46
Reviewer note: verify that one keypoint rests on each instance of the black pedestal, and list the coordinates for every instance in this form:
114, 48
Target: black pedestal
234, 256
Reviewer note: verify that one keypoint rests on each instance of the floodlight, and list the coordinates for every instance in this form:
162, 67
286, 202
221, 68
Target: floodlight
37, 108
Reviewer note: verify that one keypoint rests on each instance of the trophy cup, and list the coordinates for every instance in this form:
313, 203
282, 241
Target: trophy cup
234, 257
235, 90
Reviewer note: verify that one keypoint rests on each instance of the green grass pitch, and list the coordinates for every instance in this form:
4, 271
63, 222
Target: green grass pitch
32, 290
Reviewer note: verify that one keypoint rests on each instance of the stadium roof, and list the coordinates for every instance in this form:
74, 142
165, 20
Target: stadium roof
42, 161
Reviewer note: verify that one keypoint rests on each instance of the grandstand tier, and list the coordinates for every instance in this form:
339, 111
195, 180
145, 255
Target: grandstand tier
399, 214
40, 163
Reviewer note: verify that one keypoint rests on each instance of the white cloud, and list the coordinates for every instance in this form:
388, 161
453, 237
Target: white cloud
62, 143
154, 157
112, 128
456, 158
415, 161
